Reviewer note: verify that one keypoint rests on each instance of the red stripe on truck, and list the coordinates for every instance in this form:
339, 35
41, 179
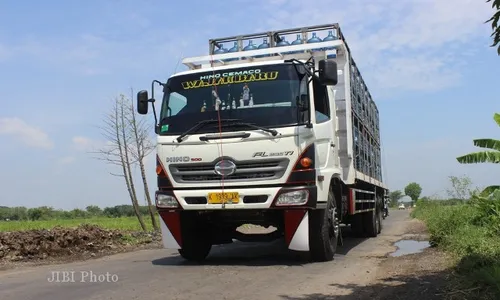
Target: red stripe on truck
173, 221
351, 202
292, 217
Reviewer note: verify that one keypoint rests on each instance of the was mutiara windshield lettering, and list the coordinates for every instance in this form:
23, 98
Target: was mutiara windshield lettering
264, 96
230, 78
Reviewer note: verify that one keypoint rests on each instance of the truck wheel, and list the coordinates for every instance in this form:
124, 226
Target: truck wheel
196, 251
324, 229
196, 241
371, 222
380, 211
379, 228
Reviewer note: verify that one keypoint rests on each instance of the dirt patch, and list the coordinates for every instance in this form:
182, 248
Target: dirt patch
428, 261
255, 229
415, 226
424, 275
428, 275
68, 244
415, 230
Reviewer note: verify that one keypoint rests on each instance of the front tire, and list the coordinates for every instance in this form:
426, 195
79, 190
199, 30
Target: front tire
324, 229
196, 240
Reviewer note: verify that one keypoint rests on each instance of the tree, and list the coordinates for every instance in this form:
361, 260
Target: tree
34, 214
78, 213
394, 197
489, 156
495, 19
94, 210
117, 131
461, 187
413, 190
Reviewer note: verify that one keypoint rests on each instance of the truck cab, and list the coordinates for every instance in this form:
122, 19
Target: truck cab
260, 136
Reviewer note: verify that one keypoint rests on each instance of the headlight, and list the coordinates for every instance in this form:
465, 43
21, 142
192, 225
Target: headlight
298, 197
166, 201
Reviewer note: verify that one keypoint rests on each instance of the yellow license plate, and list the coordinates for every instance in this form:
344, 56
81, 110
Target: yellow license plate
219, 198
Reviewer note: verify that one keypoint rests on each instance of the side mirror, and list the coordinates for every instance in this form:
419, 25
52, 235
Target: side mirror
328, 72
142, 102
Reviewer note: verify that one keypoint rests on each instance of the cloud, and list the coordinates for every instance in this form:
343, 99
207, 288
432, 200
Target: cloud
99, 53
82, 143
405, 45
25, 133
417, 73
66, 160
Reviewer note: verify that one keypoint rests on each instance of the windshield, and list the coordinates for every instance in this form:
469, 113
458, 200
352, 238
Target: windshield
268, 96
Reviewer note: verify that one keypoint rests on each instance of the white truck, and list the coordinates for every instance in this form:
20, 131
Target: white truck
281, 135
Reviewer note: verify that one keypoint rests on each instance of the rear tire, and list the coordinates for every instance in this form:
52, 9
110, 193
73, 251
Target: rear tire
324, 229
380, 212
371, 222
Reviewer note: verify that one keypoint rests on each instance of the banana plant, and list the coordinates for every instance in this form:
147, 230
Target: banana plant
489, 156
495, 20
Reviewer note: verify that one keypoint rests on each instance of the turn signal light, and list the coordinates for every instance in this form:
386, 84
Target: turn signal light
306, 162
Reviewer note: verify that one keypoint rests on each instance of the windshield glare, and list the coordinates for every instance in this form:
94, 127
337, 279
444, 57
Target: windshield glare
266, 96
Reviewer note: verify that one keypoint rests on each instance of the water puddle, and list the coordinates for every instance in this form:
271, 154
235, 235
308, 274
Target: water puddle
406, 247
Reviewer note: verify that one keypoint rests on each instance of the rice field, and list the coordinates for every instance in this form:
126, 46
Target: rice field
122, 223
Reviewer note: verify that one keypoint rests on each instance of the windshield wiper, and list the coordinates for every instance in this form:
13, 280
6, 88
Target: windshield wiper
271, 131
200, 125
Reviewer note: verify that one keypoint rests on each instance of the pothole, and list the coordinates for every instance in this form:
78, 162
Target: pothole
406, 247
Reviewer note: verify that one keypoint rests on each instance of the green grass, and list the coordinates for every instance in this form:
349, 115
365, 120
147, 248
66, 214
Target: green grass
123, 223
471, 232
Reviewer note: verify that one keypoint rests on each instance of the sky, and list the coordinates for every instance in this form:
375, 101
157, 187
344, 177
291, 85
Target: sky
427, 64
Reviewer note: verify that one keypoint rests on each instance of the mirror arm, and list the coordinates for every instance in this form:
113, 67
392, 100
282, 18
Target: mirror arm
152, 100
306, 66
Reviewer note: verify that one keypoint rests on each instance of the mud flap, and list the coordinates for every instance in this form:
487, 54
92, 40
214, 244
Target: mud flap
297, 229
170, 224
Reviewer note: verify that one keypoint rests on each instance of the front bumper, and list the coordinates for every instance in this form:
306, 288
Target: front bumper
295, 218
249, 198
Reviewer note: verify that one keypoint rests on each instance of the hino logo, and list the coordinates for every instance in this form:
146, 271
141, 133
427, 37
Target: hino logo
225, 168
174, 159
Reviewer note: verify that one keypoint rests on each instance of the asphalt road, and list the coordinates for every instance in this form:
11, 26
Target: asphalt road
237, 271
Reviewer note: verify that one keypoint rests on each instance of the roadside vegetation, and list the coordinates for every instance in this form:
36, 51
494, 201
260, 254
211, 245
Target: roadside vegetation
468, 226
121, 217
122, 223
470, 231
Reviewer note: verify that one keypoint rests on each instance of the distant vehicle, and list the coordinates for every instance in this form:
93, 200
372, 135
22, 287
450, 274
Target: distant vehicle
401, 206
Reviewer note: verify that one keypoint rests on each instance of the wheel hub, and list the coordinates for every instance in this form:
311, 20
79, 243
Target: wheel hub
333, 222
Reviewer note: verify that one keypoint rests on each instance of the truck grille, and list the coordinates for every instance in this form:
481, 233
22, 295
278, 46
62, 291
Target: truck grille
252, 170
